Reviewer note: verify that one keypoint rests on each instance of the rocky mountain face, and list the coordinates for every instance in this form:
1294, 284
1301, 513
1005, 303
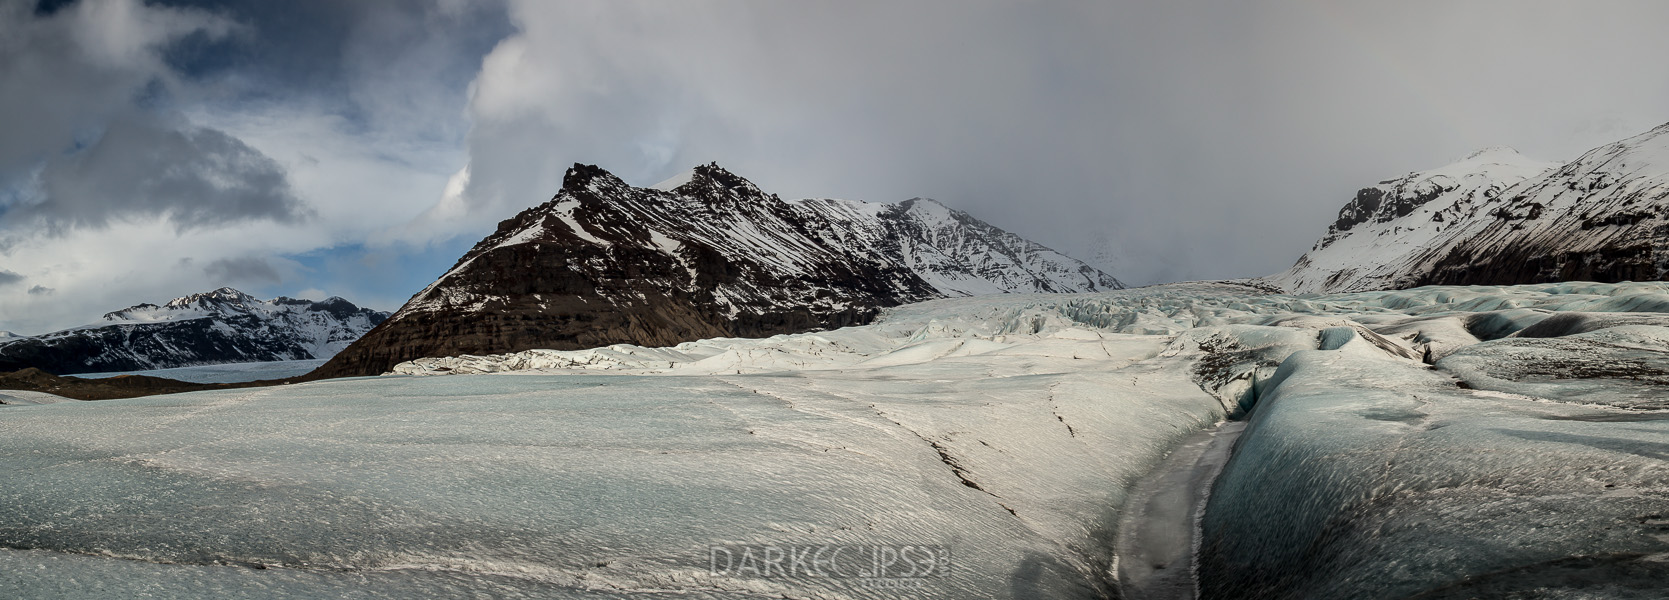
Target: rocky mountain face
1386, 237
222, 326
1497, 218
705, 254
1603, 217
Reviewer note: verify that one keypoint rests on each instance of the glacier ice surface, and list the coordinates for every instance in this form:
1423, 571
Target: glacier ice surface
1009, 429
226, 372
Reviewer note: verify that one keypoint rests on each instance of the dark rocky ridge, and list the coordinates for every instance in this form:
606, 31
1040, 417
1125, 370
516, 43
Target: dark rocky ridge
606, 263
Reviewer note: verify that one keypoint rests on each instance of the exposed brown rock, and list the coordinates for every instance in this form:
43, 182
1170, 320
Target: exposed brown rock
606, 263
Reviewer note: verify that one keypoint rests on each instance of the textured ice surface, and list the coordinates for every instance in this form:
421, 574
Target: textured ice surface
568, 485
1009, 429
28, 398
1523, 467
226, 373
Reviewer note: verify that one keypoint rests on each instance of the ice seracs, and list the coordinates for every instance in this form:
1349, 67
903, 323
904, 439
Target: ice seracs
705, 254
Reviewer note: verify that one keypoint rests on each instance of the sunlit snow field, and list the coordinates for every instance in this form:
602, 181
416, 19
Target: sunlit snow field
1400, 442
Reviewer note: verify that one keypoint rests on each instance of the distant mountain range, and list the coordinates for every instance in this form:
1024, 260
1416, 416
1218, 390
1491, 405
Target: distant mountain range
708, 254
705, 254
1498, 218
222, 326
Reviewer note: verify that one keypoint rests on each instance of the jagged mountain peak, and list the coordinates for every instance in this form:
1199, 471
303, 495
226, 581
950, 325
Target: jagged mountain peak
224, 295
703, 254
223, 302
582, 176
719, 187
212, 301
1492, 153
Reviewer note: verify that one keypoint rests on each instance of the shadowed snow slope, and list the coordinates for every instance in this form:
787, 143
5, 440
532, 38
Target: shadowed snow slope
1008, 429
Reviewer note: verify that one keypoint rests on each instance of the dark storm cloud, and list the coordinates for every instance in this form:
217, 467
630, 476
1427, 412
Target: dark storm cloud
196, 130
41, 290
245, 269
9, 278
93, 132
374, 62
194, 176
98, 91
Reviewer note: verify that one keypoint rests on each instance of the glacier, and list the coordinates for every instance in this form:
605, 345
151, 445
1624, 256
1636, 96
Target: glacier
1441, 441
226, 372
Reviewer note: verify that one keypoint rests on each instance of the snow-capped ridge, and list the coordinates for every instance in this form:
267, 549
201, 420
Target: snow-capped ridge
1497, 217
1493, 153
219, 326
223, 295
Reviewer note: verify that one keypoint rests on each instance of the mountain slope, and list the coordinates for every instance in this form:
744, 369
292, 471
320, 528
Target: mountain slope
706, 254
1385, 237
1603, 217
1496, 218
222, 326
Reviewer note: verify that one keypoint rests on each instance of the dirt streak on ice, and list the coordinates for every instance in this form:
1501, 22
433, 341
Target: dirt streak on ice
1159, 532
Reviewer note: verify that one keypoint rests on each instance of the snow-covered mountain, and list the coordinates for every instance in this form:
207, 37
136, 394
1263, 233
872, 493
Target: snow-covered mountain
704, 254
222, 326
1497, 218
1384, 238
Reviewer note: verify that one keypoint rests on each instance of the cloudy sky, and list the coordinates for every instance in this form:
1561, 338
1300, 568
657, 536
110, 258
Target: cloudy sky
316, 147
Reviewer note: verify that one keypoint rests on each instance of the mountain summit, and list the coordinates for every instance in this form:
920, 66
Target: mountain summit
704, 254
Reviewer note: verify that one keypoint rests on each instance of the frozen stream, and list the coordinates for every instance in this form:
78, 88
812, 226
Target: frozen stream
1158, 531
1403, 443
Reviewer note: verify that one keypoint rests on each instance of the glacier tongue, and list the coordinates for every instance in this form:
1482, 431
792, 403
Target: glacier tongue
1009, 429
